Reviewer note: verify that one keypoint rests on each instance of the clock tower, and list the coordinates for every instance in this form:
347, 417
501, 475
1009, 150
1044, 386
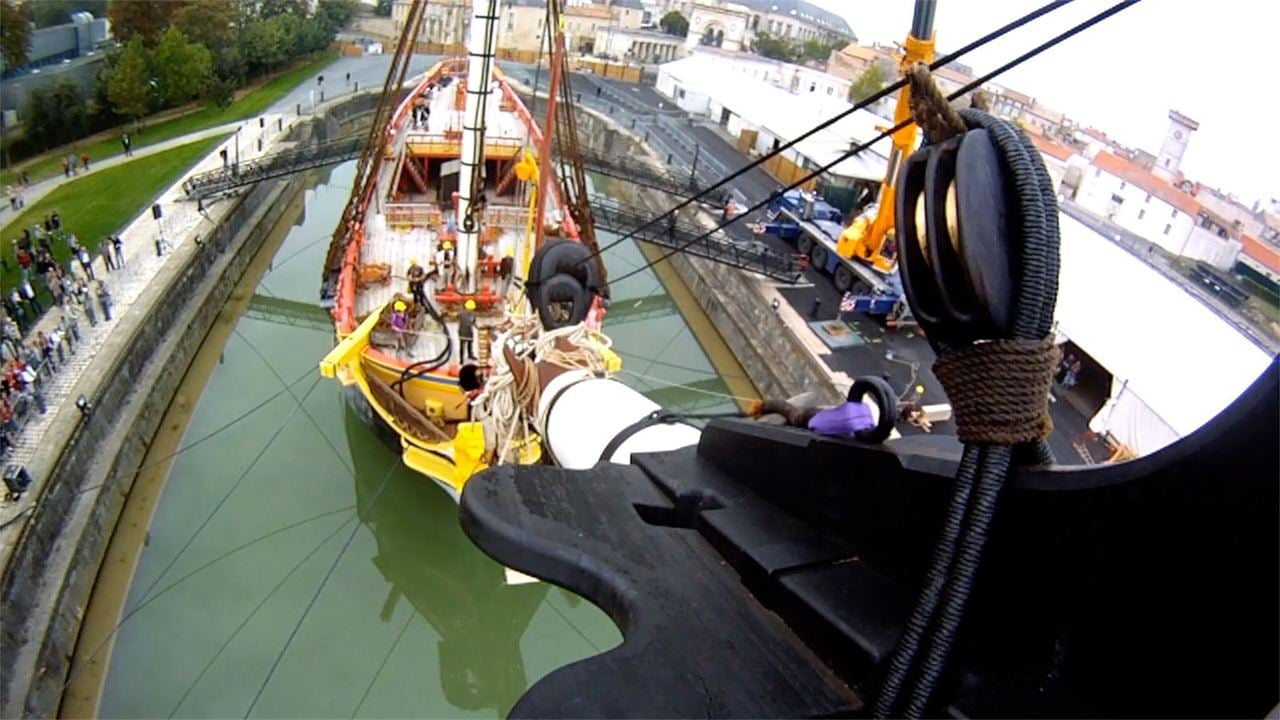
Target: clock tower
1175, 144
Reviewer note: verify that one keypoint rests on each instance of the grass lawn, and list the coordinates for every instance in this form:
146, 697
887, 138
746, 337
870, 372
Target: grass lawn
250, 104
101, 202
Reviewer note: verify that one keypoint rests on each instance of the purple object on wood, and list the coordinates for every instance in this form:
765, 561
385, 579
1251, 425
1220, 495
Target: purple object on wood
843, 420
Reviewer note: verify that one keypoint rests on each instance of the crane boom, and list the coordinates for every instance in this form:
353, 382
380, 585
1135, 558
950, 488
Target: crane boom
863, 240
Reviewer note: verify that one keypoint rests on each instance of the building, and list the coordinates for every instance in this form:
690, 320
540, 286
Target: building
1175, 144
741, 96
520, 24
734, 25
70, 51
1138, 201
852, 60
642, 45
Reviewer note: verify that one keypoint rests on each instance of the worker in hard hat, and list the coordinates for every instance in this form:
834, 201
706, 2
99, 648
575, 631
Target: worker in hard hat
417, 276
400, 323
467, 331
444, 263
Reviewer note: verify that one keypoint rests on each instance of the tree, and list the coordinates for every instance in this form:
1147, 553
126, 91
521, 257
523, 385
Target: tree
211, 23
673, 23
274, 8
772, 47
311, 35
267, 43
334, 14
183, 68
15, 32
56, 114
815, 49
142, 18
868, 83
383, 8
129, 86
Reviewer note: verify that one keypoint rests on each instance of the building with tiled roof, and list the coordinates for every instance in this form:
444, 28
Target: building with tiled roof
1138, 201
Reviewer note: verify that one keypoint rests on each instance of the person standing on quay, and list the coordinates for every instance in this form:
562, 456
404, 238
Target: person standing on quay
118, 245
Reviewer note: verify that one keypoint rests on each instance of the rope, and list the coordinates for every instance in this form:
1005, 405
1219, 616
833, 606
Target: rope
505, 403
998, 389
929, 106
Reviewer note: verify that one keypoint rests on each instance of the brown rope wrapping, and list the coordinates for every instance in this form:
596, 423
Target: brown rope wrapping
930, 108
999, 390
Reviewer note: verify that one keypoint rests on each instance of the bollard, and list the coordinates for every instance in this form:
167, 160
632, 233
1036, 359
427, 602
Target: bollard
817, 307
597, 91
646, 136
262, 122
357, 88
668, 158
633, 123
610, 109
259, 143
280, 124
321, 96
299, 109
577, 97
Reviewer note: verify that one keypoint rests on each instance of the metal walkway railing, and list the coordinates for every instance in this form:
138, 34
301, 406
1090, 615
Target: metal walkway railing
270, 167
686, 237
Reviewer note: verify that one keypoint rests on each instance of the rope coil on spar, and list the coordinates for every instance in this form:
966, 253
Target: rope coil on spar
504, 405
995, 350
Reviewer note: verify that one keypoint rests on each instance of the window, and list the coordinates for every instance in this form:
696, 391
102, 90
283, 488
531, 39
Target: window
1166, 162
829, 91
511, 21
813, 86
1123, 184
1148, 198
1117, 199
1142, 214
1174, 214
1167, 228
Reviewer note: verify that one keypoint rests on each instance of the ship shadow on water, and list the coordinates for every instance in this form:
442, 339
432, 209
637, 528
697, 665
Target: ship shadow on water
429, 563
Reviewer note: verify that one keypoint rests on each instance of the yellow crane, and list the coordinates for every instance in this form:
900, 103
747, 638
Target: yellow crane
867, 238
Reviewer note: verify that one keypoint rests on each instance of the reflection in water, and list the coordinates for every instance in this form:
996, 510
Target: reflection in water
450, 583
247, 539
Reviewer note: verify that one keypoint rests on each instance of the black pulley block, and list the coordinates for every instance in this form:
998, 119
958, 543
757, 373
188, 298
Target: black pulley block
952, 216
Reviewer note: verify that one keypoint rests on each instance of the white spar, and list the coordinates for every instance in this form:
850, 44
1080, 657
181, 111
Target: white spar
580, 414
483, 41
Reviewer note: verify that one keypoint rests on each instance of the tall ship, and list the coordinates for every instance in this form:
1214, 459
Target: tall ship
434, 267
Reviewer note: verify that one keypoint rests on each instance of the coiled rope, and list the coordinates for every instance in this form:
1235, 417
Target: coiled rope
506, 402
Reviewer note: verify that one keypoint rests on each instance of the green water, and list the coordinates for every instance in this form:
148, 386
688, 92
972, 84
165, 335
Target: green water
294, 568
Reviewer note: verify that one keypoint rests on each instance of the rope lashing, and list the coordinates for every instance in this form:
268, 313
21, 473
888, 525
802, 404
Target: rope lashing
929, 106
998, 389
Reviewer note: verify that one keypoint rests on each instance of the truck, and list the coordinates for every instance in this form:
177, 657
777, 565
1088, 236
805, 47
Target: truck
818, 231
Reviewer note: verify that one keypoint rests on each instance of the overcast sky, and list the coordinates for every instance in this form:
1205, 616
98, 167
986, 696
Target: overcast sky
1213, 60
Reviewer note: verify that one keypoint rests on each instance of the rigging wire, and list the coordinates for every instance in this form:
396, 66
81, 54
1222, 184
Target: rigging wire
361, 517
870, 100
226, 496
85, 661
978, 82
252, 613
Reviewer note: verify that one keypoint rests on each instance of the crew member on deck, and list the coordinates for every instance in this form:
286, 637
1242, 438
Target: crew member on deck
417, 276
400, 323
467, 331
444, 261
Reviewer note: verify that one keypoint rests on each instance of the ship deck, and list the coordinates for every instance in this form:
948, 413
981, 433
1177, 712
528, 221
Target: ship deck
412, 215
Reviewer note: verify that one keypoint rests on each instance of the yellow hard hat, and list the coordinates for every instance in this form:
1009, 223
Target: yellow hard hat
470, 304
448, 245
400, 305
414, 261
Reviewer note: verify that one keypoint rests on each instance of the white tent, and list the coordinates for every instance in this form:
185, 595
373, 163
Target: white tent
1175, 362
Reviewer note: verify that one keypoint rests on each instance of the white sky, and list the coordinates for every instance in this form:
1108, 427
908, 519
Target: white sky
1213, 60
